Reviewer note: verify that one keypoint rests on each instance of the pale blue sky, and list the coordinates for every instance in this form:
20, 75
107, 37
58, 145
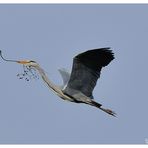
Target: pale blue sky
52, 35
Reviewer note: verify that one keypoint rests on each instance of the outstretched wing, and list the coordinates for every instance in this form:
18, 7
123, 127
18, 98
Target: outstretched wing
86, 70
65, 75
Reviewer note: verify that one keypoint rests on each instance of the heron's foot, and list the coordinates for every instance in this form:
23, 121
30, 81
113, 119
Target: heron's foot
111, 112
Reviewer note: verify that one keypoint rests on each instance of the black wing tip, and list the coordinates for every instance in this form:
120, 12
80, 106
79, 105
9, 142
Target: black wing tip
108, 52
108, 56
96, 58
105, 53
103, 50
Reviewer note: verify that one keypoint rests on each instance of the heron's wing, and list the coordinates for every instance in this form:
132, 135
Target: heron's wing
86, 70
65, 75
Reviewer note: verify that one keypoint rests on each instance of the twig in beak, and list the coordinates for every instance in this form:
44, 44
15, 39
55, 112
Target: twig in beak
7, 59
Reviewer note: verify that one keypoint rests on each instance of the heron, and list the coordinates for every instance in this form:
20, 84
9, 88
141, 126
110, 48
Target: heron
78, 85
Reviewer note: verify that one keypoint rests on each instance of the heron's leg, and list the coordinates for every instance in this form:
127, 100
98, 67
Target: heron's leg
110, 112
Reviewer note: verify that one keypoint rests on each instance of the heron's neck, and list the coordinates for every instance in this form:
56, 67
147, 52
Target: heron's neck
52, 86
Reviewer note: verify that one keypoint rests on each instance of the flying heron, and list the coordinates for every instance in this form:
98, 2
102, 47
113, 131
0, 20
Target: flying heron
77, 86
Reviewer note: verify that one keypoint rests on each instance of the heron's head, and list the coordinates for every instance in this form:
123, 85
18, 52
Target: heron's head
28, 63
29, 67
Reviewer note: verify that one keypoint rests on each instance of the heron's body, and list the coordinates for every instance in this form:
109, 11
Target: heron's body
78, 86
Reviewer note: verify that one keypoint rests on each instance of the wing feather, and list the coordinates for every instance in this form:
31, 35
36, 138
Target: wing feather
86, 70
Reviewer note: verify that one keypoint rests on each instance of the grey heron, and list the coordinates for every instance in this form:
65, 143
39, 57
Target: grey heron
79, 85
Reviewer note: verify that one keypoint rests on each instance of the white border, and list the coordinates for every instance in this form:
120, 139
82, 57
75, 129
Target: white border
71, 2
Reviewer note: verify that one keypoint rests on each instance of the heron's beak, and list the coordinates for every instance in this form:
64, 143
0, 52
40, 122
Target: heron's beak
23, 62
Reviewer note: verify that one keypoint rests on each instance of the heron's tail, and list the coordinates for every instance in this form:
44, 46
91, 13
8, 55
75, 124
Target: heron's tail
98, 105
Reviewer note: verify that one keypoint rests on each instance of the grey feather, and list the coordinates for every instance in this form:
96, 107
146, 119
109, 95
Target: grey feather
86, 70
65, 76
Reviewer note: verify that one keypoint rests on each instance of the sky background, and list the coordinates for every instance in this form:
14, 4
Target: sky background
52, 35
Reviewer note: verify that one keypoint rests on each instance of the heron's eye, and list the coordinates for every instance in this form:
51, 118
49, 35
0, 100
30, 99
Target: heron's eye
33, 61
